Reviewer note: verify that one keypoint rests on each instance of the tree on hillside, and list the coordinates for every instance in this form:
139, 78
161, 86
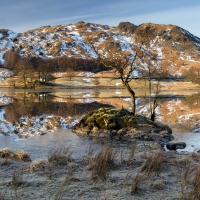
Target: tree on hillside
44, 70
24, 70
11, 58
192, 75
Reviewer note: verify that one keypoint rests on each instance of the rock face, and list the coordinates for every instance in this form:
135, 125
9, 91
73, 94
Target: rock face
114, 123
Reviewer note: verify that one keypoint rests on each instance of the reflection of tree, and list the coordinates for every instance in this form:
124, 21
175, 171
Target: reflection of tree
192, 101
29, 105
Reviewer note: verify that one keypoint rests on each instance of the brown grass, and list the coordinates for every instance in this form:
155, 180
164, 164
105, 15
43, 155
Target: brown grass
102, 163
59, 156
131, 154
195, 192
4, 162
153, 162
157, 184
39, 166
17, 177
134, 186
17, 156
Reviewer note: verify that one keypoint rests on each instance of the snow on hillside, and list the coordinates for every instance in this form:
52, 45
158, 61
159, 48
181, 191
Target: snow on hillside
168, 42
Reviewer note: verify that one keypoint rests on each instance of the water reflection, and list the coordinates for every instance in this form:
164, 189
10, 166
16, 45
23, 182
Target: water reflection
179, 109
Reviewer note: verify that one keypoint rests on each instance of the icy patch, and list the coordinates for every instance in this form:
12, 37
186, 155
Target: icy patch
87, 80
5, 73
1, 57
1, 35
116, 92
127, 99
87, 95
12, 34
5, 100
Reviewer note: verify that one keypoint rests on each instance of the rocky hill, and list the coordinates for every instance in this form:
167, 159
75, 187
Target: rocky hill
177, 48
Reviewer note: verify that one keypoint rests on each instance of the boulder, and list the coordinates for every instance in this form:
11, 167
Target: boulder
175, 145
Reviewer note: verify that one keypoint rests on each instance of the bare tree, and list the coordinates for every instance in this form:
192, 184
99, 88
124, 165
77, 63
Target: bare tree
123, 64
24, 70
11, 58
138, 59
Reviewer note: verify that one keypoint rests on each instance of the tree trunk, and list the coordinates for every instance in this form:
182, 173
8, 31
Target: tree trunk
132, 94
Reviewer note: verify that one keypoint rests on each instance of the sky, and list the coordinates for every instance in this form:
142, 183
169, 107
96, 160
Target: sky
23, 15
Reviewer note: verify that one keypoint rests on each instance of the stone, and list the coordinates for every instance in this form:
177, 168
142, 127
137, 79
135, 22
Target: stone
175, 145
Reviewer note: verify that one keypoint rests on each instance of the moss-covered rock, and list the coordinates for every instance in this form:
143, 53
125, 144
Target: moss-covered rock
109, 122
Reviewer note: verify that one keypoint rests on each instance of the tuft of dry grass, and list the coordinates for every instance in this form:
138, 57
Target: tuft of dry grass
21, 155
134, 186
157, 184
4, 162
17, 177
131, 154
102, 163
195, 192
153, 162
59, 156
39, 166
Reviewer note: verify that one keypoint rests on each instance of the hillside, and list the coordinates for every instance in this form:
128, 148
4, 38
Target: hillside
176, 48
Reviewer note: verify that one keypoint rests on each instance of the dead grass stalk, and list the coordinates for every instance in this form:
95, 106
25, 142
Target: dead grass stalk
59, 156
153, 162
102, 163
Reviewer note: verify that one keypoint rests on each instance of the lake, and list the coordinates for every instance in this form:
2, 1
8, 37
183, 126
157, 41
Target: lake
179, 109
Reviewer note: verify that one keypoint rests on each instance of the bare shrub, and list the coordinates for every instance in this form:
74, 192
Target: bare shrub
18, 156
59, 156
153, 162
102, 163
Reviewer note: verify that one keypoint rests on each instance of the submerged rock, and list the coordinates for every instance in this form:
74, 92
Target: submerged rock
120, 123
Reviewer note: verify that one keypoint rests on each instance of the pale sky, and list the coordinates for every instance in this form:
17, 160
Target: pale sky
23, 15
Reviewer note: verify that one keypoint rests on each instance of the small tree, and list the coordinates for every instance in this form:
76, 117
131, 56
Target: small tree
24, 70
123, 64
140, 59
11, 58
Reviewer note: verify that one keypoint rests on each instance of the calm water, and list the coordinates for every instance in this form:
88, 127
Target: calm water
174, 106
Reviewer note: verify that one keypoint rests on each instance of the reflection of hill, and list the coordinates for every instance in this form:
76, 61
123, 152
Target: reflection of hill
64, 109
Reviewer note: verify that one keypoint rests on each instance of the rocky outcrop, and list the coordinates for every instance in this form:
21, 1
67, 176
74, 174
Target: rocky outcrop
114, 123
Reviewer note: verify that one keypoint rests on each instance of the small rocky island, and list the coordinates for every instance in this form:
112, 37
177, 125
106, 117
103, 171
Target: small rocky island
122, 124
